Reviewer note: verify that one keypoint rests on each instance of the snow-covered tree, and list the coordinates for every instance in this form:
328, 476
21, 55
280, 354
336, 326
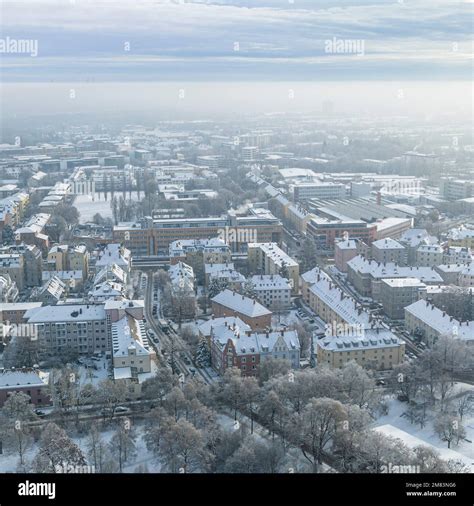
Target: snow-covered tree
248, 289
182, 448
110, 394
256, 457
449, 428
122, 445
157, 387
203, 354
56, 450
272, 367
217, 285
317, 426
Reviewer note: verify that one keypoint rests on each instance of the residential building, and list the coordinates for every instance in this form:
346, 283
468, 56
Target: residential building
461, 236
413, 238
228, 303
232, 346
235, 280
31, 382
344, 250
8, 289
397, 293
114, 254
388, 250
466, 276
366, 275
268, 258
133, 358
429, 323
429, 255
273, 291
377, 348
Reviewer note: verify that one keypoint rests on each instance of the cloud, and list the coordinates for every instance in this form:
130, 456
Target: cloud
170, 38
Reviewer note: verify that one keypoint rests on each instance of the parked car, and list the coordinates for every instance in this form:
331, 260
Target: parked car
122, 409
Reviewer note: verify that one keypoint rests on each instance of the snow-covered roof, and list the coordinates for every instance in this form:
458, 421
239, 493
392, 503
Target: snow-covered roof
440, 321
54, 287
240, 303
62, 275
346, 244
129, 333
123, 304
114, 254
22, 378
182, 276
107, 289
342, 304
110, 272
19, 306
183, 246
312, 275
462, 232
380, 270
248, 342
403, 282
430, 248
446, 268
227, 322
212, 269
65, 313
383, 338
387, 243
273, 251
270, 282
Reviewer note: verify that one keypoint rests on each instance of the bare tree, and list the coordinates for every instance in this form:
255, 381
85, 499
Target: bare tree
317, 426
449, 429
122, 445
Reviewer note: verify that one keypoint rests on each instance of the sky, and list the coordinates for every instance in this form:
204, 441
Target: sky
236, 56
238, 40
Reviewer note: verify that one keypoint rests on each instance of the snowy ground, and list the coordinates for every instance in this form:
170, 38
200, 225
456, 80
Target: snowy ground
396, 425
87, 206
9, 462
94, 371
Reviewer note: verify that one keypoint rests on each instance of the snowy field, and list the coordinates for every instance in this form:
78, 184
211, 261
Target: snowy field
88, 206
396, 425
8, 462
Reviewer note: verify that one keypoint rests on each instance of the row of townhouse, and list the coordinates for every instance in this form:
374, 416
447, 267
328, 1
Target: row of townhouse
351, 332
366, 275
233, 343
429, 322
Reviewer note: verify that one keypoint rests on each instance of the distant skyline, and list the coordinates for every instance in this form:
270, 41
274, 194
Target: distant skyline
238, 40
